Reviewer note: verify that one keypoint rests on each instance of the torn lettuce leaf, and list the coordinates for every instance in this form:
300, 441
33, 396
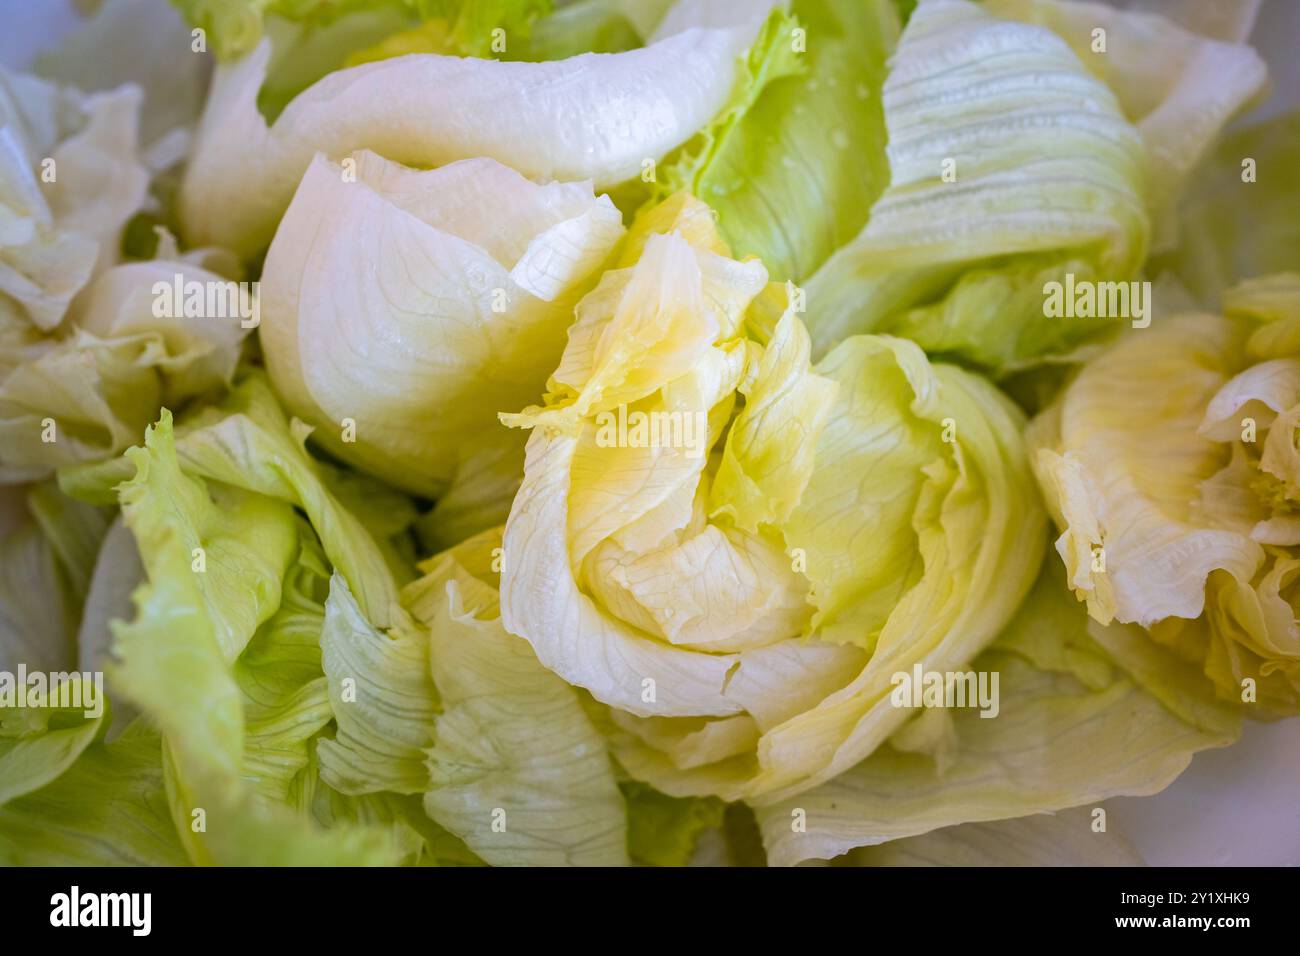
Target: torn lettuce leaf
248, 442
223, 654
72, 175
177, 661
87, 356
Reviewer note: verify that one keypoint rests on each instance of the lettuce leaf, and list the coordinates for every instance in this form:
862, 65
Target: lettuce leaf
1043, 159
664, 830
385, 712
1066, 735
1047, 839
739, 600
37, 745
235, 26
248, 442
176, 662
108, 809
144, 42
424, 110
794, 163
45, 573
469, 269
1180, 517
1229, 228
461, 711
1027, 167
517, 770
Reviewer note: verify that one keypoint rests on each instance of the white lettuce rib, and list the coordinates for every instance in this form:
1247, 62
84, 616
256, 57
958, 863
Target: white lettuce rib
594, 116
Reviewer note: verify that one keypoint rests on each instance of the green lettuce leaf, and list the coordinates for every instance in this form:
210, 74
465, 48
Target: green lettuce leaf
109, 809
1179, 88
235, 26
423, 842
1024, 169
235, 731
461, 711
587, 26
310, 43
1044, 159
39, 743
246, 441
664, 830
794, 163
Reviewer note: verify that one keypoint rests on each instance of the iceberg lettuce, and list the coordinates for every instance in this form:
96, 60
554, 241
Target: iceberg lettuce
669, 330
1178, 516
733, 589
223, 652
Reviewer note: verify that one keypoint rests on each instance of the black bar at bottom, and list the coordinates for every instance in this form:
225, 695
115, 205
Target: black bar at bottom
583, 907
